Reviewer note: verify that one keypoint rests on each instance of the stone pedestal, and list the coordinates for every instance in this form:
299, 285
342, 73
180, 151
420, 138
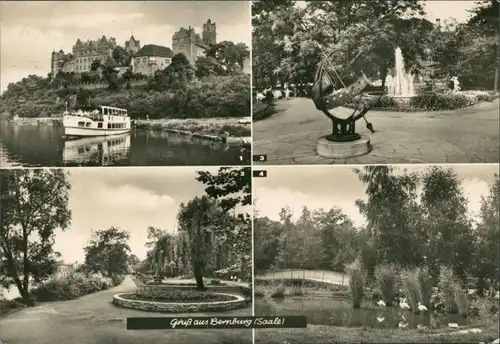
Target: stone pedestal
342, 150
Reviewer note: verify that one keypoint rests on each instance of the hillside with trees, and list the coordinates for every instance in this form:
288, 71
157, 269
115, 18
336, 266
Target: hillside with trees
214, 87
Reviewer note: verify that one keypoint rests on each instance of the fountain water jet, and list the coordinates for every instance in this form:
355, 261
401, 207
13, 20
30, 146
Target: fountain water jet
401, 84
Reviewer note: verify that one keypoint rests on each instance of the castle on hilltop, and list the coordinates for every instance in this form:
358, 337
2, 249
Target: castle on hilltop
188, 42
146, 61
84, 53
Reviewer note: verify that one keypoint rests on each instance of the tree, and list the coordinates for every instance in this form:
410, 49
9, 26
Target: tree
207, 66
95, 65
228, 55
196, 219
110, 74
107, 251
288, 41
154, 234
176, 76
266, 242
33, 205
449, 238
392, 213
133, 260
231, 185
487, 258
121, 56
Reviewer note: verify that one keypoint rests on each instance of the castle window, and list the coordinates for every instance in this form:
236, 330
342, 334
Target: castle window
138, 60
144, 60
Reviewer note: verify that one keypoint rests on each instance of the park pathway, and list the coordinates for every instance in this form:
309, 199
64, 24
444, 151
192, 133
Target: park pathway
468, 135
331, 277
93, 319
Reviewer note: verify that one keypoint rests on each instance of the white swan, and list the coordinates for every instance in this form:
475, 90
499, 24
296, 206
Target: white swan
380, 319
404, 305
421, 307
402, 325
381, 303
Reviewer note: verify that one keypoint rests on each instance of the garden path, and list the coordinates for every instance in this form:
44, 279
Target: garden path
468, 135
93, 319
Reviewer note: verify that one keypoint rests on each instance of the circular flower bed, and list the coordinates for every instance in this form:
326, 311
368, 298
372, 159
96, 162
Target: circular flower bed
424, 102
178, 295
172, 300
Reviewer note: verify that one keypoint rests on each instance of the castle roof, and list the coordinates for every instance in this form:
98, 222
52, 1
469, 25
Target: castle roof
154, 50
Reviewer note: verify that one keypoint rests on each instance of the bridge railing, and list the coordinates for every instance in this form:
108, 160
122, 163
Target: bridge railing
324, 276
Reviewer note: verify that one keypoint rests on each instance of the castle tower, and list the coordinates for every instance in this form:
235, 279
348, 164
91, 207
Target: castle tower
56, 59
209, 32
132, 45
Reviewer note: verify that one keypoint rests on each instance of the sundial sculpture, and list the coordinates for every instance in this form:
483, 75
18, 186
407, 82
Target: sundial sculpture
326, 98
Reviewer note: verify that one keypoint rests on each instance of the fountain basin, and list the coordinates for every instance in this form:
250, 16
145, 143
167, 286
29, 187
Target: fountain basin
422, 102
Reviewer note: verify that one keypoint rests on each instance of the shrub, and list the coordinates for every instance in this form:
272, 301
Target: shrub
461, 300
71, 287
277, 291
426, 284
387, 280
296, 290
447, 286
117, 280
215, 281
356, 283
262, 110
412, 288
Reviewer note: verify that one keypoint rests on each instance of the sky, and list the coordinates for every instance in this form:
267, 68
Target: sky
30, 31
327, 186
129, 198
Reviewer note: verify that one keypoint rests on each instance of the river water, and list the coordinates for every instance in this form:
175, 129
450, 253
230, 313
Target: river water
44, 145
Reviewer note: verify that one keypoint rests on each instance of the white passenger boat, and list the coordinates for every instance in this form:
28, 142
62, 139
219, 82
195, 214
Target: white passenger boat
96, 121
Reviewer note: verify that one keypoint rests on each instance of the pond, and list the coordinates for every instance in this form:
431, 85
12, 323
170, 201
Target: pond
44, 145
324, 310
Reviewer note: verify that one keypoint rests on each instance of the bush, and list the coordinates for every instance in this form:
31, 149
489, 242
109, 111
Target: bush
215, 281
425, 281
447, 287
387, 280
71, 287
262, 110
277, 292
296, 290
412, 288
461, 300
356, 283
117, 280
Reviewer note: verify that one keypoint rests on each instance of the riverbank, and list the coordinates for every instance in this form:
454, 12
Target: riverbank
323, 334
214, 129
35, 120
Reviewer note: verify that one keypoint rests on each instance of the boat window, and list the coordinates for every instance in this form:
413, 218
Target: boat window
87, 124
81, 124
99, 125
109, 125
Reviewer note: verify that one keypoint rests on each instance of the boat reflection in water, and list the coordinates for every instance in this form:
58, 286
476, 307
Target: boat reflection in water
97, 151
